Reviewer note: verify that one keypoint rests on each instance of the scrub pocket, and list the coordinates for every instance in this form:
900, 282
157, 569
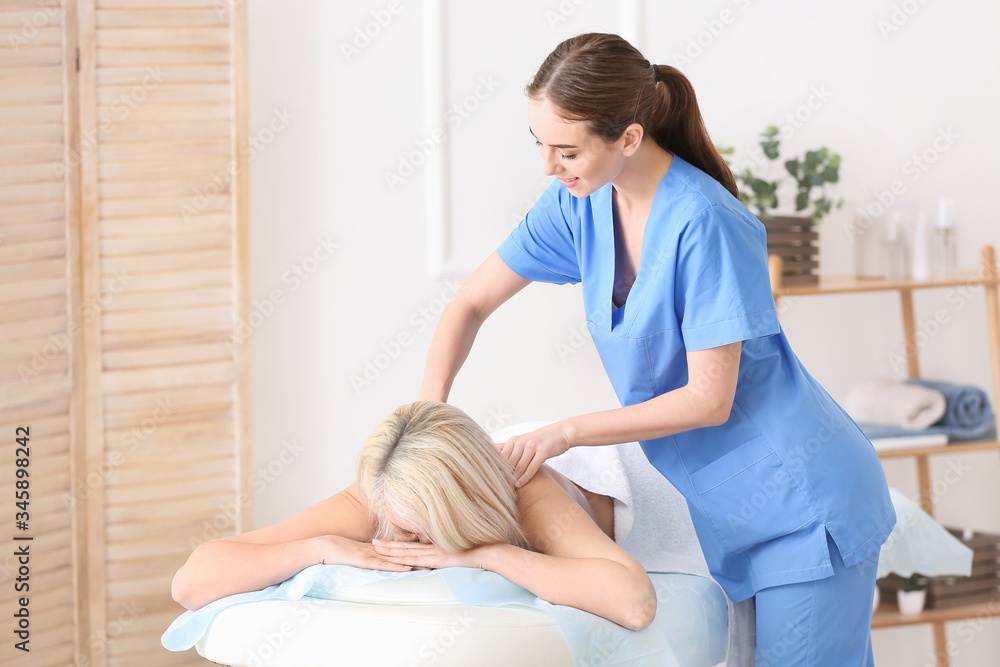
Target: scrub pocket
749, 496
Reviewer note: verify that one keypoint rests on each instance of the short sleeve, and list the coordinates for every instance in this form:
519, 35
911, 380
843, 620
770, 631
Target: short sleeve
723, 289
543, 247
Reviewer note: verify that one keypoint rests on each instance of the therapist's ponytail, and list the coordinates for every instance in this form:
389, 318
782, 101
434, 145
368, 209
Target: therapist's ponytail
602, 79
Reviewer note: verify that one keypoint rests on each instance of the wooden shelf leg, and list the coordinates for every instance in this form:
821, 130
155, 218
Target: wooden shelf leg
989, 271
775, 269
924, 485
941, 644
992, 316
910, 334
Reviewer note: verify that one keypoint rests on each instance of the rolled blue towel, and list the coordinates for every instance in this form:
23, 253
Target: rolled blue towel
968, 415
967, 406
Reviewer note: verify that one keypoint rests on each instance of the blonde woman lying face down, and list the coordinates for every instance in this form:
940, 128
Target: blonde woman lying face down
434, 491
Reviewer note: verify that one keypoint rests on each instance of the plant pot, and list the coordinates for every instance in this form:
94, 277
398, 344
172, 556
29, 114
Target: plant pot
911, 603
795, 239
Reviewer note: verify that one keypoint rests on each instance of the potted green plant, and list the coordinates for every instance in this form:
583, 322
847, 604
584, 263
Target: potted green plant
793, 237
912, 597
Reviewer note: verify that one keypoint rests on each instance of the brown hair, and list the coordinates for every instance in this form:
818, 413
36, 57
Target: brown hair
603, 80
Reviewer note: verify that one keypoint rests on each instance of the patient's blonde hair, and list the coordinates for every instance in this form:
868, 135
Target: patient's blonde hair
439, 471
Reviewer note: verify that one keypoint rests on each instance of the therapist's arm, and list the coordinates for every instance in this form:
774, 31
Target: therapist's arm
489, 286
706, 400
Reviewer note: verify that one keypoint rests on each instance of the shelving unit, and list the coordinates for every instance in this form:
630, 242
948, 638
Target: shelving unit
887, 615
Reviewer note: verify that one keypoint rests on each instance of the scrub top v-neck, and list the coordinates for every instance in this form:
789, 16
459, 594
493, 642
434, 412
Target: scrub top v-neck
789, 465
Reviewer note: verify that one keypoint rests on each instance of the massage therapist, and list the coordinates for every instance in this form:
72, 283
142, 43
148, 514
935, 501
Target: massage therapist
787, 495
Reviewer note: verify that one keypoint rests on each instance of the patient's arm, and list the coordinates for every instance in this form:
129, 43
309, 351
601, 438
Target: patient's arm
576, 564
333, 531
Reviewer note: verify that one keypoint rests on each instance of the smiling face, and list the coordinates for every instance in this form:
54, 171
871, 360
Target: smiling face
582, 161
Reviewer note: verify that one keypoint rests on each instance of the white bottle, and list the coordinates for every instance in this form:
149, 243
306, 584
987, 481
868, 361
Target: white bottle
869, 247
920, 249
895, 248
943, 259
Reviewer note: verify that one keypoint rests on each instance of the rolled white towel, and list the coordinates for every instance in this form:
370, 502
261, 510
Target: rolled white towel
892, 403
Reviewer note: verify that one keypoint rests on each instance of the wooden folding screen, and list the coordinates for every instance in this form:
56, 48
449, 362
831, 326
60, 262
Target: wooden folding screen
39, 280
124, 279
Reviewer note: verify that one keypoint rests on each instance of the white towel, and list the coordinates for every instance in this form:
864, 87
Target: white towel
652, 519
892, 403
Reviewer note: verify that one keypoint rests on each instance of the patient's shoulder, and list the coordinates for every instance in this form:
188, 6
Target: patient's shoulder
541, 486
553, 484
553, 521
556, 524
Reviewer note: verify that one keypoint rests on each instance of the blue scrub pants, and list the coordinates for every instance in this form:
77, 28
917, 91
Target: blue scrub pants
823, 623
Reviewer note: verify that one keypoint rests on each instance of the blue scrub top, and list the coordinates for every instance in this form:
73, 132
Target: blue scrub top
789, 464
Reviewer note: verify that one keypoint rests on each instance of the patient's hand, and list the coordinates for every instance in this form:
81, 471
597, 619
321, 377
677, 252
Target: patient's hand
336, 550
421, 555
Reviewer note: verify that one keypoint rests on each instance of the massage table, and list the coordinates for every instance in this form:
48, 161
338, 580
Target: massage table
414, 621
417, 621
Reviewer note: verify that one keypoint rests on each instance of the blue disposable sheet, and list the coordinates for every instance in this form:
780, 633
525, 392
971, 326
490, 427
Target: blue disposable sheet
691, 625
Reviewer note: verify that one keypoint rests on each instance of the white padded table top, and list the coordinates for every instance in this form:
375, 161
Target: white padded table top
411, 621
331, 632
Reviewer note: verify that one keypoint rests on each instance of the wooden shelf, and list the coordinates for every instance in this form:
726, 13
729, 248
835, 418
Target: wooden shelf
957, 448
839, 284
887, 615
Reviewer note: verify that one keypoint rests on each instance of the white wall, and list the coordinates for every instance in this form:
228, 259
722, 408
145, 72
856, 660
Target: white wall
883, 78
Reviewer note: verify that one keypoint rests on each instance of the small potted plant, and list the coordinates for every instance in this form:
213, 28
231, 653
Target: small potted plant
792, 237
912, 597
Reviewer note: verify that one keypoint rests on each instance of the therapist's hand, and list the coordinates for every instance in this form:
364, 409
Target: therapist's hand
527, 452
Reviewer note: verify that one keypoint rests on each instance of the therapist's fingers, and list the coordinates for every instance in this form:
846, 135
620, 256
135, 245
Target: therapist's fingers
530, 470
523, 463
513, 449
525, 457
